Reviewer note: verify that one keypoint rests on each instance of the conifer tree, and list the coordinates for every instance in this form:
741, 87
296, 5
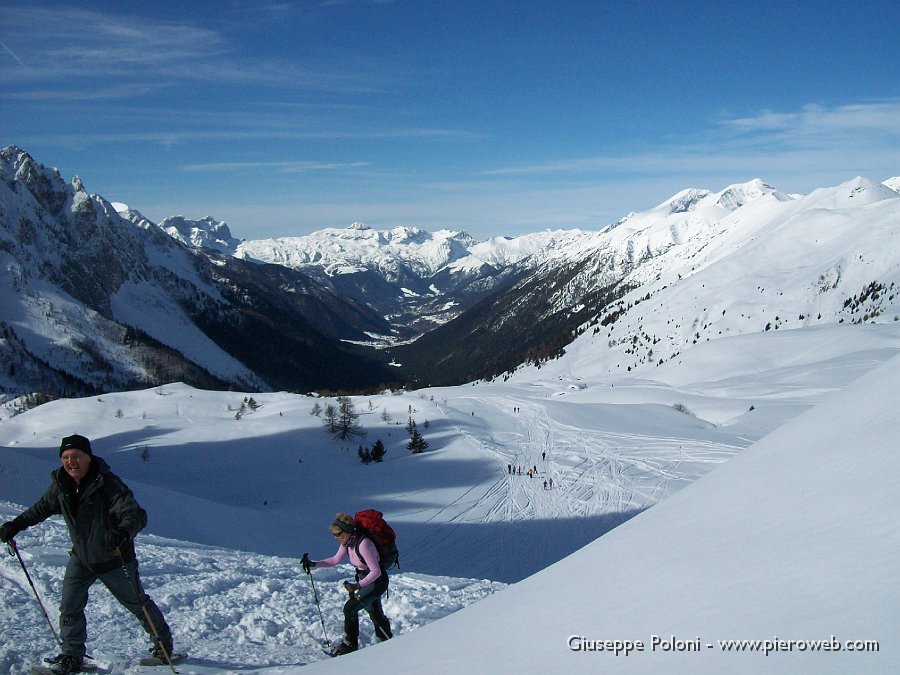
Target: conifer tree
378, 451
347, 423
329, 419
416, 443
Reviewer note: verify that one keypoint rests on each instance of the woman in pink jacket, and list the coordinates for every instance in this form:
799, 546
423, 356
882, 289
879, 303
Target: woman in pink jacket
365, 593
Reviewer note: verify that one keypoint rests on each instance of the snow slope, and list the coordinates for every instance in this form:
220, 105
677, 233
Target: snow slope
783, 539
794, 540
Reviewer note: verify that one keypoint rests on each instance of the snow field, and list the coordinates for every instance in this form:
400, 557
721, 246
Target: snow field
770, 522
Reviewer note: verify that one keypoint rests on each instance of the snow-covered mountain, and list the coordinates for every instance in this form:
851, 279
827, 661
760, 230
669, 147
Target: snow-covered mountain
487, 307
483, 309
699, 266
412, 255
415, 279
207, 233
94, 301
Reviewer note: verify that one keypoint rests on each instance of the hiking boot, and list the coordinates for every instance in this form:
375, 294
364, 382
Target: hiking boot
343, 648
65, 663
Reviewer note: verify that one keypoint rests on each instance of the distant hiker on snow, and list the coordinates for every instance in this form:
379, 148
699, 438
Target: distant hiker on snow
103, 518
370, 584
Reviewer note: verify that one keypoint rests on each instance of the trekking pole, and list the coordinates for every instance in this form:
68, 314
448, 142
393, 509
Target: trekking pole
138, 595
316, 598
11, 545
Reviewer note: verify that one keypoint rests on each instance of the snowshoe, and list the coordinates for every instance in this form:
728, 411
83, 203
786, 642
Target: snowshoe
343, 648
158, 657
61, 665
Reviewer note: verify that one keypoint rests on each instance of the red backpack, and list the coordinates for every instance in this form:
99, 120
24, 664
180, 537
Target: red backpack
375, 527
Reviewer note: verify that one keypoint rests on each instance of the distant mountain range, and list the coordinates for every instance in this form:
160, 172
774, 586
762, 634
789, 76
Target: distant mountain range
92, 301
97, 297
415, 279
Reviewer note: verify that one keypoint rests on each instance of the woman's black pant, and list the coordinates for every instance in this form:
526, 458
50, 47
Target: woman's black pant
367, 598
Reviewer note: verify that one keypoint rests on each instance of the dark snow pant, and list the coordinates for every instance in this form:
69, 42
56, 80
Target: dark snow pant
369, 599
77, 581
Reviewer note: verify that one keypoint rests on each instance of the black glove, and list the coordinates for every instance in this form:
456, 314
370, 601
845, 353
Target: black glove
350, 586
116, 538
307, 563
9, 530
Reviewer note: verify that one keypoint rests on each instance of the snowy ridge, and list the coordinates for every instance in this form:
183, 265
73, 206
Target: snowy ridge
692, 214
359, 247
96, 297
435, 277
772, 264
639, 295
205, 233
84, 252
825, 255
402, 250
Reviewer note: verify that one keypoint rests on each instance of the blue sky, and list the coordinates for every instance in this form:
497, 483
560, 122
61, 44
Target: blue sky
494, 117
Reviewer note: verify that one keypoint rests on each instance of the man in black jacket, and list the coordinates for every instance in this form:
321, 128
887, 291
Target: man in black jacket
103, 518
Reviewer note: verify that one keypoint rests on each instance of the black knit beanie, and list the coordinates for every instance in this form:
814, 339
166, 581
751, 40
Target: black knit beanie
75, 442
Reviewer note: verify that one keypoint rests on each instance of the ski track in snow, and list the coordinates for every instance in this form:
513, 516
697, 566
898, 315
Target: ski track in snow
593, 472
596, 474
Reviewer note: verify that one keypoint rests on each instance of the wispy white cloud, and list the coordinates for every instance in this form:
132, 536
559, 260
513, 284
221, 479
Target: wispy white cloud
118, 91
257, 133
62, 44
808, 138
340, 3
62, 40
171, 83
283, 167
815, 120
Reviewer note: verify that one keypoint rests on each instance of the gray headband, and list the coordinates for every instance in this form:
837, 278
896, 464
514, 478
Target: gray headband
344, 527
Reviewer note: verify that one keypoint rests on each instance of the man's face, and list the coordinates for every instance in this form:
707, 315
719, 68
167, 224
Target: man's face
76, 463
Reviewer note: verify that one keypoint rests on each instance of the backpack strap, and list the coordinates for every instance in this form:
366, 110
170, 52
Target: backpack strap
365, 535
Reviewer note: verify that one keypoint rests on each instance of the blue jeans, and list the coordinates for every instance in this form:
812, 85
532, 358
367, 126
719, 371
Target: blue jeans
121, 583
